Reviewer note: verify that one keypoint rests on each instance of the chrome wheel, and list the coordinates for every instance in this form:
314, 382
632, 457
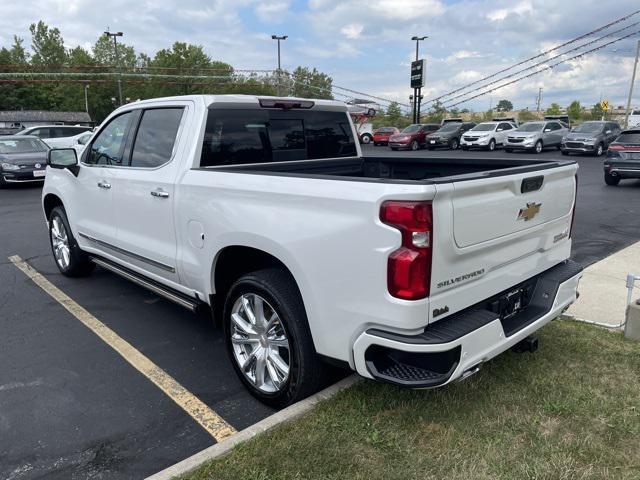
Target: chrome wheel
259, 343
60, 243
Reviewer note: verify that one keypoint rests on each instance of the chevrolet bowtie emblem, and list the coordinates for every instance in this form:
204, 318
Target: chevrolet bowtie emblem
529, 212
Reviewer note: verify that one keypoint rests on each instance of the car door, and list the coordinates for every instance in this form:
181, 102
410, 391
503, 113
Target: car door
502, 131
96, 184
550, 136
144, 203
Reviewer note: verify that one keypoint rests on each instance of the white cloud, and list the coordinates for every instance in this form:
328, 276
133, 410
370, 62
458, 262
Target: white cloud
517, 9
272, 11
353, 30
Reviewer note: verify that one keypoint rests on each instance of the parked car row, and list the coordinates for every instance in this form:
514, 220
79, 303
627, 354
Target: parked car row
23, 155
588, 138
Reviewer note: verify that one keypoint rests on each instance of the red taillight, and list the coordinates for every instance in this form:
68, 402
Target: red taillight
615, 146
409, 267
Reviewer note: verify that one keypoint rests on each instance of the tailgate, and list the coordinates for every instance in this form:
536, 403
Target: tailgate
492, 233
508, 205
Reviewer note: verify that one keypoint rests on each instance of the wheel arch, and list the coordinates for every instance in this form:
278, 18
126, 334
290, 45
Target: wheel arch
49, 202
233, 261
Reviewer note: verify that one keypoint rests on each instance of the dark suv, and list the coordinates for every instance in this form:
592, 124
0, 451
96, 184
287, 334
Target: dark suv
449, 135
413, 137
590, 137
623, 157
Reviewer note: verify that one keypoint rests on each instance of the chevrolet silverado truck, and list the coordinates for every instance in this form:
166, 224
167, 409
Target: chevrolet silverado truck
412, 271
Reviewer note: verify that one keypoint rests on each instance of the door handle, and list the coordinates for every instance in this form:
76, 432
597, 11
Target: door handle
104, 185
159, 193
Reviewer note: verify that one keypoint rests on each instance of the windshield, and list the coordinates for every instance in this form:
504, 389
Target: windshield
531, 127
589, 127
411, 129
484, 127
27, 145
449, 127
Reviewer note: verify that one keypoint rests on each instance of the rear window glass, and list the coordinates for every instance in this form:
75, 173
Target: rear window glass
632, 137
235, 137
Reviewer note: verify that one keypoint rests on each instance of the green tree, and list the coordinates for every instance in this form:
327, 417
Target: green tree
574, 110
310, 83
526, 116
504, 106
554, 109
394, 113
597, 112
47, 45
104, 53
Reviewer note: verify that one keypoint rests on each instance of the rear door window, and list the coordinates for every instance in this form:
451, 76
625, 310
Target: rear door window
153, 145
631, 137
234, 137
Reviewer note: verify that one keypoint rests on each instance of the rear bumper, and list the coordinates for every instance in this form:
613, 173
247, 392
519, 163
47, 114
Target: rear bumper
456, 346
627, 169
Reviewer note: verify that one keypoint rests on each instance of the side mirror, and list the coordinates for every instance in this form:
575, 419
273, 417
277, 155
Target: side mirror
608, 132
62, 158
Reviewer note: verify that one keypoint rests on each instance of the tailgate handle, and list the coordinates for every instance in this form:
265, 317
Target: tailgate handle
531, 184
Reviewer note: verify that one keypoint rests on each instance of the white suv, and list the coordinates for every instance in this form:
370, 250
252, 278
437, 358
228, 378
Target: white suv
487, 135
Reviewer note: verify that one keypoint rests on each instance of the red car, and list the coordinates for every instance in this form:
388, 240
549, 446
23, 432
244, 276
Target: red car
413, 137
381, 135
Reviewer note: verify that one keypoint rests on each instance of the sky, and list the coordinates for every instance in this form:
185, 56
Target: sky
365, 44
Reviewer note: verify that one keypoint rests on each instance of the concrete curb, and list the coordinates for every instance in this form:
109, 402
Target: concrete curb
286, 415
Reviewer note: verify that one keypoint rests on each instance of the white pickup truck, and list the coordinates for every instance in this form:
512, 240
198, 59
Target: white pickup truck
408, 270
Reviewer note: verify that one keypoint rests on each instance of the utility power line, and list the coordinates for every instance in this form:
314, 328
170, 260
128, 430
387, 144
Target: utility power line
547, 67
546, 52
535, 65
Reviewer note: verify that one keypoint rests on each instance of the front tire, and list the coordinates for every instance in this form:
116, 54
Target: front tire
611, 180
268, 338
599, 150
69, 258
453, 145
414, 145
492, 145
539, 147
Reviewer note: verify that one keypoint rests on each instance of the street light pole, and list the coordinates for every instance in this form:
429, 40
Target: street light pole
417, 92
633, 80
115, 47
278, 38
86, 98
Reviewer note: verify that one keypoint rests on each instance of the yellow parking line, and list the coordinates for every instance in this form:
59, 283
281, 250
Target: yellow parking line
196, 409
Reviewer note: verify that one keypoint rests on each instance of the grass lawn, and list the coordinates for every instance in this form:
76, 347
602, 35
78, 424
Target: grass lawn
571, 410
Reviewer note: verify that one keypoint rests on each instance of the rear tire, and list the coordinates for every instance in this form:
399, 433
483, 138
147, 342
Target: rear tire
611, 180
284, 322
69, 258
366, 138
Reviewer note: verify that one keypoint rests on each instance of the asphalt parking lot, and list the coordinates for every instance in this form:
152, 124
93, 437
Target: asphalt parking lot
71, 407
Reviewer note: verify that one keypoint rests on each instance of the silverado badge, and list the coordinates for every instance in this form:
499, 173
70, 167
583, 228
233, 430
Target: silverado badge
529, 212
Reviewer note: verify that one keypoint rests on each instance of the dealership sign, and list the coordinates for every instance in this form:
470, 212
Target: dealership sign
417, 74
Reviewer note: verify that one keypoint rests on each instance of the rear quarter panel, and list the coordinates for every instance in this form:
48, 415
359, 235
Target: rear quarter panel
327, 233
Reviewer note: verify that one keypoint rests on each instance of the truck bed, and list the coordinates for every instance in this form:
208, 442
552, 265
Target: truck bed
430, 170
